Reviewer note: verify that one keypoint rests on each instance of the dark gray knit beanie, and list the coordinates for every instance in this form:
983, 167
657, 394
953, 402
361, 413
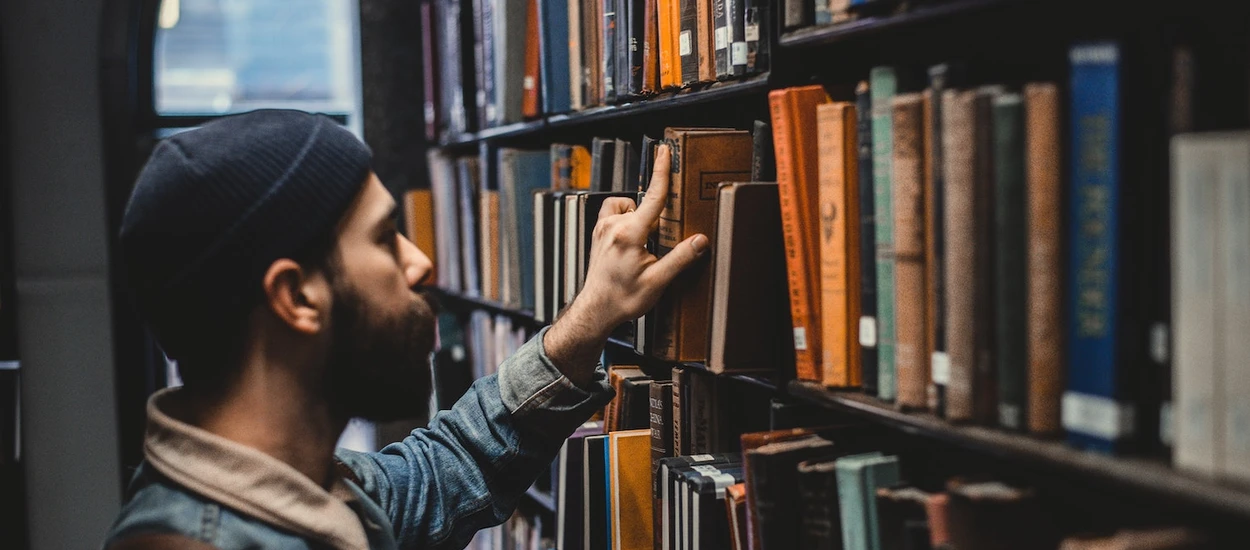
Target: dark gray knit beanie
214, 207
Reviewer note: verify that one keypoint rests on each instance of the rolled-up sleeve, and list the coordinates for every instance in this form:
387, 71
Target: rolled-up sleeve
466, 471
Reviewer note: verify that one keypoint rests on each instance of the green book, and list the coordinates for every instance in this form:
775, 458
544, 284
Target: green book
877, 473
883, 84
849, 472
1010, 245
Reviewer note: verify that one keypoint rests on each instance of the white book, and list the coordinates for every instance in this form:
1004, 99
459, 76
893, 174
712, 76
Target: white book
1232, 298
541, 303
572, 241
1195, 376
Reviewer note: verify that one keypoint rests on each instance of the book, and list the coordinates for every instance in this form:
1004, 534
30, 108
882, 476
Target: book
688, 41
867, 328
483, 62
531, 84
667, 30
820, 524
446, 218
1044, 202
631, 490
902, 517
758, 34
569, 487
521, 173
701, 160
593, 55
621, 412
468, 182
602, 158
594, 496
419, 224
1010, 242
991, 514
430, 73
709, 525
510, 21
794, 141
705, 32
774, 475
660, 401
858, 477
650, 80
763, 156
488, 222
554, 60
839, 240
736, 509
799, 13
911, 355
735, 31
577, 56
883, 84
608, 51
452, 82
721, 39
670, 469
941, 77
748, 318
634, 45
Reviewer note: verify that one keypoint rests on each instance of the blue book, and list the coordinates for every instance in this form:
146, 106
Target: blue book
1095, 412
520, 174
553, 36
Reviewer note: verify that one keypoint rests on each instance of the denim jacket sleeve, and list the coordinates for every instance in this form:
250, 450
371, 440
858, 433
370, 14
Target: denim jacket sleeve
468, 468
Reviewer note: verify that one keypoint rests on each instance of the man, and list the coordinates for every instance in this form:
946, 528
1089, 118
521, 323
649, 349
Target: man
263, 253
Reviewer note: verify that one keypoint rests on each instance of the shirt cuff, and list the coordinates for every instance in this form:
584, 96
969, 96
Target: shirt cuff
528, 381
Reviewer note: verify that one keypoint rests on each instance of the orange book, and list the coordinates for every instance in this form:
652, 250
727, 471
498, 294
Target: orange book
579, 165
488, 233
736, 509
419, 215
650, 47
911, 361
666, 43
529, 85
1044, 185
837, 142
794, 142
630, 464
705, 31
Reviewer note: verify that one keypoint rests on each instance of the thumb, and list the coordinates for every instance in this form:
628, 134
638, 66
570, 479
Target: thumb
678, 259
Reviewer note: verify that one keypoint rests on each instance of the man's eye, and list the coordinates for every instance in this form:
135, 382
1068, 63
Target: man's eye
390, 238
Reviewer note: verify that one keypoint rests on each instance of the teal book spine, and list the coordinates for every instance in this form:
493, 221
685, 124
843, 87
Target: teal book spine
849, 473
1010, 246
878, 473
883, 84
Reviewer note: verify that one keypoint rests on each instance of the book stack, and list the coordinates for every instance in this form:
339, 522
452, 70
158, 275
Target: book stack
490, 63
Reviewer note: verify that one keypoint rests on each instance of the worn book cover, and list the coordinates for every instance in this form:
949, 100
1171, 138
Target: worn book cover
839, 244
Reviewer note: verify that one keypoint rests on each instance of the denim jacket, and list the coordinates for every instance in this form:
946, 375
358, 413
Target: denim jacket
434, 489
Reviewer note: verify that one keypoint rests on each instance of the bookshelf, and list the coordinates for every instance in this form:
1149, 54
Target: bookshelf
997, 42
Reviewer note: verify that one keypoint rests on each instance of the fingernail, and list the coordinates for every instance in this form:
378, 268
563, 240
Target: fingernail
699, 243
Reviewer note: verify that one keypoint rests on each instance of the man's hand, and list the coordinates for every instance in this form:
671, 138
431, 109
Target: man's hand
623, 280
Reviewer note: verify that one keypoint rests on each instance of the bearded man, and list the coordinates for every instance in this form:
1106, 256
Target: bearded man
263, 253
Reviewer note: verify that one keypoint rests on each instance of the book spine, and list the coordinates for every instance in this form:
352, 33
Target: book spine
664, 43
851, 508
650, 47
834, 304
1043, 185
1009, 259
985, 375
721, 38
820, 525
883, 84
961, 252
867, 327
576, 58
608, 44
635, 45
1233, 306
592, 53
763, 161
688, 41
735, 26
530, 82
661, 406
798, 13
1093, 413
786, 120
681, 447
907, 198
935, 241
675, 8
670, 229
758, 34
554, 50
486, 99
705, 30
430, 72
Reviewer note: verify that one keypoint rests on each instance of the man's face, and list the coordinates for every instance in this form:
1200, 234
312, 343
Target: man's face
382, 327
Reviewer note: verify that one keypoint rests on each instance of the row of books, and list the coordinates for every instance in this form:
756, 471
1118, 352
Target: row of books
521, 531
489, 63
813, 488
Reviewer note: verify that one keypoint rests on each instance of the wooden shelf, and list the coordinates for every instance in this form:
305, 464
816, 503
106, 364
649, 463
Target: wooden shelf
873, 24
706, 93
1144, 476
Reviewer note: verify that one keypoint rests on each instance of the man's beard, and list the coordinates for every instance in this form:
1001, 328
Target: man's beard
379, 368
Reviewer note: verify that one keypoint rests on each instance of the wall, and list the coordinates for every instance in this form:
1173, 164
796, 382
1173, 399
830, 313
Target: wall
51, 50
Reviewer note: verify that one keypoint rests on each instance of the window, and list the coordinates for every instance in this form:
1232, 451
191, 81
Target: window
217, 57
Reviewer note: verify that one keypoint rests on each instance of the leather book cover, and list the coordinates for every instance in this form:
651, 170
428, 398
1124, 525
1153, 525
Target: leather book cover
631, 490
735, 29
820, 524
702, 159
773, 478
839, 241
985, 380
749, 318
736, 509
592, 42
1010, 245
660, 403
993, 515
721, 38
758, 32
634, 47
897, 507
763, 156
911, 361
705, 30
939, 523
688, 42
867, 244
1044, 188
959, 165
666, 44
419, 218
608, 49
748, 442
794, 142
530, 83
489, 221
650, 82
568, 487
941, 78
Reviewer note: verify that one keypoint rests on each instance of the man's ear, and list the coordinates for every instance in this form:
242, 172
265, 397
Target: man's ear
298, 297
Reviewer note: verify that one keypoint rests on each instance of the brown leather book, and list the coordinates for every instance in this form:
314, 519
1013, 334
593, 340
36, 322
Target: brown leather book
967, 145
702, 159
897, 509
939, 523
794, 142
1045, 216
755, 440
650, 47
991, 515
911, 359
488, 233
419, 215
736, 508
674, 14
530, 100
706, 34
592, 38
837, 144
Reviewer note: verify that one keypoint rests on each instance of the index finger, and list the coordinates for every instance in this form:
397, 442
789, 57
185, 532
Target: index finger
657, 191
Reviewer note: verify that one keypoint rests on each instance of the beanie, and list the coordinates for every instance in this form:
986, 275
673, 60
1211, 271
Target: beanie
214, 207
